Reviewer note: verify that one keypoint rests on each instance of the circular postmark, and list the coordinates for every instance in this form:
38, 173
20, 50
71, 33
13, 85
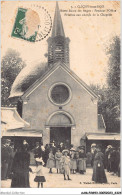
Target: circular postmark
33, 23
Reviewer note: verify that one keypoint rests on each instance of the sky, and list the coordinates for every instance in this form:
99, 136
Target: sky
89, 36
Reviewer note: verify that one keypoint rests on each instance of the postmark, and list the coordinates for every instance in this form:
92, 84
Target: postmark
32, 23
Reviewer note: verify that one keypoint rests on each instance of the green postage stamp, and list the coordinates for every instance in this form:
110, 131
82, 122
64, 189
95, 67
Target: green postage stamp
32, 25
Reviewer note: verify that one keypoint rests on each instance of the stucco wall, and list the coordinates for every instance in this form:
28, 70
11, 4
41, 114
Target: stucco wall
81, 107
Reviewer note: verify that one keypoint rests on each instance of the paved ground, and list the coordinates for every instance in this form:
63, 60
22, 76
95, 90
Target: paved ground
55, 180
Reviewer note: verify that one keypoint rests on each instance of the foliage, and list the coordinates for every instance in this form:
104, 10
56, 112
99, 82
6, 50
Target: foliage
11, 65
113, 77
109, 101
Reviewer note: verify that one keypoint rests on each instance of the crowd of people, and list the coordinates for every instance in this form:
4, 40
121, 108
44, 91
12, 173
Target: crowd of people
65, 159
52, 156
100, 161
112, 160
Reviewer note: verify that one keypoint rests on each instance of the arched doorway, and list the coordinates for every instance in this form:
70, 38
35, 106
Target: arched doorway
60, 134
60, 124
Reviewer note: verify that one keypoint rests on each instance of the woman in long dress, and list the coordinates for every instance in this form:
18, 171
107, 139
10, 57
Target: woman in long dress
51, 161
73, 161
20, 169
82, 161
58, 156
99, 175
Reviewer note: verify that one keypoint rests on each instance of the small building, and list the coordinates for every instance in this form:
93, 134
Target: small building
17, 129
103, 139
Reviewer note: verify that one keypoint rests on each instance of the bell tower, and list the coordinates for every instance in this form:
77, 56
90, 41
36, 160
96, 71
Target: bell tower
58, 44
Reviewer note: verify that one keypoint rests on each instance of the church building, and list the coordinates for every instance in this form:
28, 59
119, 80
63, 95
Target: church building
59, 105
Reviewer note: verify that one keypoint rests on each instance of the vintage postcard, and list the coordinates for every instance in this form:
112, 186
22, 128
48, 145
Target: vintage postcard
60, 97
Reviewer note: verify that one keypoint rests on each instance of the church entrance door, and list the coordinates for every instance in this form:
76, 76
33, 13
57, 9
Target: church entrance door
60, 134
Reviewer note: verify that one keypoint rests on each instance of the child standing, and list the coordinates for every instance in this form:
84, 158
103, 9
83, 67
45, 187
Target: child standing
39, 174
65, 161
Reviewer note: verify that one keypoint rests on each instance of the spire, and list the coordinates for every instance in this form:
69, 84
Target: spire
58, 44
57, 23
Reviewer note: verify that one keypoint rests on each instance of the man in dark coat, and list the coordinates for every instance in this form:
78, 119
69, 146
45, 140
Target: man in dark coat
37, 151
93, 152
107, 158
5, 158
114, 161
46, 154
12, 153
99, 175
20, 168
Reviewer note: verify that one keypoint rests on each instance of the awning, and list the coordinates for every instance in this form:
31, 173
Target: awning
103, 136
11, 119
23, 133
13, 125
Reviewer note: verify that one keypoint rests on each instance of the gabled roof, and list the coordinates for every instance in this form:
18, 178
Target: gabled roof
56, 66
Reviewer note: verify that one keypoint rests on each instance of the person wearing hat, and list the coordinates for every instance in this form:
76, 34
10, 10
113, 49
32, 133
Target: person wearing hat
99, 175
77, 158
82, 160
51, 161
4, 159
61, 146
53, 147
73, 161
107, 158
58, 156
6, 153
25, 142
12, 154
65, 163
114, 161
40, 179
20, 168
93, 152
46, 154
37, 150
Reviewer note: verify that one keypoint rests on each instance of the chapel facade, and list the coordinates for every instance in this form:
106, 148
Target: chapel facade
60, 105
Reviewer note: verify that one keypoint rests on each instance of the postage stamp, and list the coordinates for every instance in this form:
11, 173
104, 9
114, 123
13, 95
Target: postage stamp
32, 24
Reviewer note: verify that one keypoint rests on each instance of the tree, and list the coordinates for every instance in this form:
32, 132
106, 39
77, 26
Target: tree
113, 80
11, 65
109, 101
113, 76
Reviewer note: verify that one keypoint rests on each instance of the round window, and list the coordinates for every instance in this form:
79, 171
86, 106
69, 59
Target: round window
60, 94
